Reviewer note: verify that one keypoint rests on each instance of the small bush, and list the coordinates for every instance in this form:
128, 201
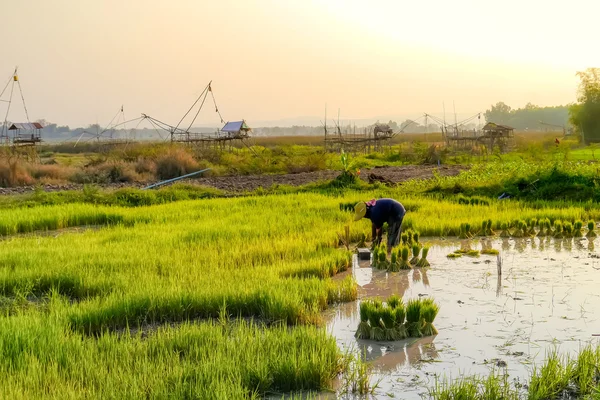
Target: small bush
14, 173
51, 171
174, 163
145, 166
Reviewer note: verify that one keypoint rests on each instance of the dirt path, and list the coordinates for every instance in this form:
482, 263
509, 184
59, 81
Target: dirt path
241, 183
393, 174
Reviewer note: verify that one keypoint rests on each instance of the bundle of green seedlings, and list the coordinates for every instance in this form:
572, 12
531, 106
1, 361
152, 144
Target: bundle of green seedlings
520, 230
380, 257
490, 251
532, 224
394, 260
504, 232
404, 263
464, 231
409, 237
486, 228
416, 249
568, 231
558, 229
423, 263
577, 226
393, 321
545, 227
591, 232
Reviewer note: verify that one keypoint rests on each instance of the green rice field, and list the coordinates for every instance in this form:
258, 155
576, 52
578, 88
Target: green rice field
213, 298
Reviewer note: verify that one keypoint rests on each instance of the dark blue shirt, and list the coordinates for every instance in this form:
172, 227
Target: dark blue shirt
385, 210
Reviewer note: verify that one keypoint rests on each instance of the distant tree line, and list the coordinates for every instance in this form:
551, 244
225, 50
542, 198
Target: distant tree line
530, 117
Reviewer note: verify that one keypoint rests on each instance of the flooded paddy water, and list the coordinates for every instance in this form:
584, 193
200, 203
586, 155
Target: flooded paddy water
546, 298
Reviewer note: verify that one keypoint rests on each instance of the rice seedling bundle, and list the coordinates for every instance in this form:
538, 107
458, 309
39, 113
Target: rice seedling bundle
472, 253
413, 318
483, 231
490, 228
400, 315
394, 301
364, 329
505, 233
410, 234
429, 310
394, 265
416, 249
423, 263
520, 229
568, 230
465, 231
591, 225
416, 237
404, 238
395, 321
577, 226
374, 316
532, 226
454, 255
558, 229
544, 226
404, 252
383, 262
490, 252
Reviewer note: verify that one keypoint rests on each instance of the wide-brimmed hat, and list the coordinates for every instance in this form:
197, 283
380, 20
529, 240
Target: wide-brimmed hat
360, 210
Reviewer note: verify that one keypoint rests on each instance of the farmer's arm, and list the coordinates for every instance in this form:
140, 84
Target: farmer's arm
376, 233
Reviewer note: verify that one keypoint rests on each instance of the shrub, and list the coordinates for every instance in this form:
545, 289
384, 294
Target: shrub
14, 173
51, 171
145, 166
174, 163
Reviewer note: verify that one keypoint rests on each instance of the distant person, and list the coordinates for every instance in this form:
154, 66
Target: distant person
379, 212
556, 141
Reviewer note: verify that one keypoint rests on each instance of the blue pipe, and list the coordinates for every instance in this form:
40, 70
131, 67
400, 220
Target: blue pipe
175, 179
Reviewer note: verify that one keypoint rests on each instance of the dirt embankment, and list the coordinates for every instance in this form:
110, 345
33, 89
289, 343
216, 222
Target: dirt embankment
241, 183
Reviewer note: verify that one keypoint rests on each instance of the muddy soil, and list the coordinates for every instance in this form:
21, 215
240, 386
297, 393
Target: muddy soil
545, 299
393, 174
242, 183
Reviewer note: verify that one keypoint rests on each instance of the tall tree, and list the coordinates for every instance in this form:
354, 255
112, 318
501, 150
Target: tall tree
499, 113
585, 114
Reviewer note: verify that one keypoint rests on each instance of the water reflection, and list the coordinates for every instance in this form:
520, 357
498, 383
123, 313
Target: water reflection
557, 245
416, 275
591, 245
389, 356
505, 244
425, 277
520, 245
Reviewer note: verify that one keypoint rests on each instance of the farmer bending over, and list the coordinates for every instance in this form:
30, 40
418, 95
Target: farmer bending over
379, 212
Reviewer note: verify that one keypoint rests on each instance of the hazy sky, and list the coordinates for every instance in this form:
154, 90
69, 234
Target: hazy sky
79, 60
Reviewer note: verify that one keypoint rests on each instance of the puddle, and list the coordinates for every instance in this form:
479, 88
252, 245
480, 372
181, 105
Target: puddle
544, 300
